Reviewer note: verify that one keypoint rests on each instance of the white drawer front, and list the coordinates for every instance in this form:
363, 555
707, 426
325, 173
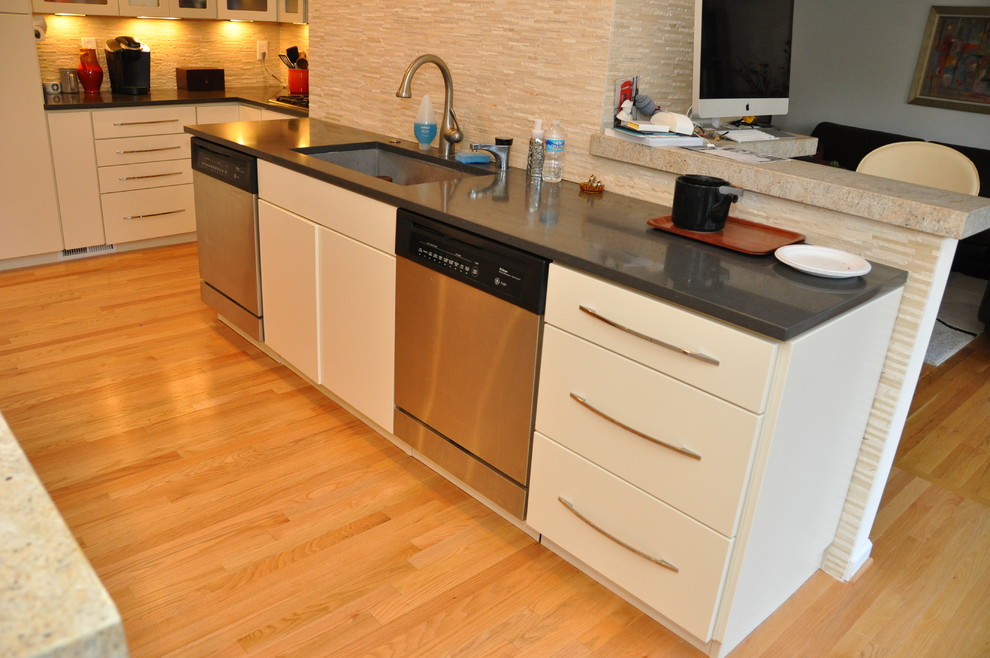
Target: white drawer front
144, 175
580, 382
742, 363
687, 596
152, 213
150, 148
142, 121
356, 216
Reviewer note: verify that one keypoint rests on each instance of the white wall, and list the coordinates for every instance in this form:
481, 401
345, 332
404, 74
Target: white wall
853, 63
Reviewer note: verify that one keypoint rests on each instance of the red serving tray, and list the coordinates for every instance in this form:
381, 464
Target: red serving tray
738, 235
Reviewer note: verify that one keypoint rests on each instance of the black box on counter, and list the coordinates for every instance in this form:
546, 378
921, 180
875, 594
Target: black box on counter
199, 79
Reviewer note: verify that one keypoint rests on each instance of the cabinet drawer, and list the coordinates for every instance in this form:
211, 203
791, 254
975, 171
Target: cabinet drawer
647, 529
356, 216
142, 121
581, 384
727, 362
150, 148
152, 213
144, 175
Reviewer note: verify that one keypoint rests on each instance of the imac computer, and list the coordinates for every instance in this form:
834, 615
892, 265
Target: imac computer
742, 58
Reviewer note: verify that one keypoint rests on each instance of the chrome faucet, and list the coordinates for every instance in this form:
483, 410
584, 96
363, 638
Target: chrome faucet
451, 132
499, 150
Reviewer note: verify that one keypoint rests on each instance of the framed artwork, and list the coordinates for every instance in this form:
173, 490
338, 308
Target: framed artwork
953, 69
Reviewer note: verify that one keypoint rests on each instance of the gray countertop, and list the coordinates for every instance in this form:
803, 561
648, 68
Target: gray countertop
605, 235
259, 96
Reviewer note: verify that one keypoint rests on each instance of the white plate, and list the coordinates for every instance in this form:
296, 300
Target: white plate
822, 261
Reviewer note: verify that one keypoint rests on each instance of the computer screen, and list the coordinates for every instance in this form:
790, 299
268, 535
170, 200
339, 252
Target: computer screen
742, 57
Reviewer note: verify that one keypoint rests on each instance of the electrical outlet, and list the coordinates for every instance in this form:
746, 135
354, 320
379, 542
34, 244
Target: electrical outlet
262, 51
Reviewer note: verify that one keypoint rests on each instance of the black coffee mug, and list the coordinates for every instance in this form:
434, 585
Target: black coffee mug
701, 203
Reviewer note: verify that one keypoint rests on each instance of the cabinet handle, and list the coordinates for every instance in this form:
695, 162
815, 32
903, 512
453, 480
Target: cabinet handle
655, 341
124, 179
144, 123
663, 563
164, 148
584, 403
155, 214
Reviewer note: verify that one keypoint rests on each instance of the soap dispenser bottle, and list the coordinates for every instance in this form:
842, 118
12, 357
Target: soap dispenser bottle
425, 127
534, 159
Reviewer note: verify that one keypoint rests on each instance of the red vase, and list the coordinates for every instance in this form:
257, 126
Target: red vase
90, 71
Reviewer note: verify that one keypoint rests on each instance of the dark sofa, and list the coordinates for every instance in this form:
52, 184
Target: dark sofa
845, 146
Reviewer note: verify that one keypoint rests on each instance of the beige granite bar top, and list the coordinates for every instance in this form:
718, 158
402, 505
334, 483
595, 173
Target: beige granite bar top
925, 209
52, 603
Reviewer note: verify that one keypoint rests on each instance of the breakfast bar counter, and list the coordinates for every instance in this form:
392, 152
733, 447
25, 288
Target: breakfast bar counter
52, 603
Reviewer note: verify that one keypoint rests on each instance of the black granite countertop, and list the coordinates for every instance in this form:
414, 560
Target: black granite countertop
258, 96
605, 235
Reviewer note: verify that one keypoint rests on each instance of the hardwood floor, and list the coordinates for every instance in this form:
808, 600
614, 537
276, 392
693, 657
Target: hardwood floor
231, 510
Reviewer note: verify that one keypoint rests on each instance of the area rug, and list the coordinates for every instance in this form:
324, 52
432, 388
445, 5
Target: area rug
957, 323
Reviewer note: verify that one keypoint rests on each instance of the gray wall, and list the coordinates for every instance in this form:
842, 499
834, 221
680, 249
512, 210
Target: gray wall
853, 63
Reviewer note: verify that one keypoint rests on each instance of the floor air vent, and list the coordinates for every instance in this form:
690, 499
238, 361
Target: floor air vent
83, 252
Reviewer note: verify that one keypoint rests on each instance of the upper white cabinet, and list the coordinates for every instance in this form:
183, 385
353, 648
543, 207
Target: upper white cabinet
292, 11
90, 7
285, 11
193, 8
143, 7
248, 10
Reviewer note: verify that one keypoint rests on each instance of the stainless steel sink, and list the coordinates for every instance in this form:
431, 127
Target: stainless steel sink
391, 163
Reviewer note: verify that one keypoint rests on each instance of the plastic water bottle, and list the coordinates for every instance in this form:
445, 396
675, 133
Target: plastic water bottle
553, 158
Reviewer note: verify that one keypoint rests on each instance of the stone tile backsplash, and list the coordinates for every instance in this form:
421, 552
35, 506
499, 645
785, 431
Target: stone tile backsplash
183, 43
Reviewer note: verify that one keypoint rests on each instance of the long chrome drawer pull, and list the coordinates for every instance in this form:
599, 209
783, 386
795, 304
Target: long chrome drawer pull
684, 451
155, 214
655, 341
164, 148
144, 123
127, 178
663, 563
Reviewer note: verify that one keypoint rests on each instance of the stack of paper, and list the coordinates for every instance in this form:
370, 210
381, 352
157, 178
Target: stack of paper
654, 138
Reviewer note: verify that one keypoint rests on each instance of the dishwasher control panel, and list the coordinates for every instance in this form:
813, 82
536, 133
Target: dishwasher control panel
230, 166
498, 269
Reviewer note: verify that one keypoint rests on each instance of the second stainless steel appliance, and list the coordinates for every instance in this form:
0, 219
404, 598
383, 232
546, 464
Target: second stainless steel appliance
468, 326
226, 188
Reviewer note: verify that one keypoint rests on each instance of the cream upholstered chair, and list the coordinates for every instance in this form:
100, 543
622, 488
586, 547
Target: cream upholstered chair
923, 163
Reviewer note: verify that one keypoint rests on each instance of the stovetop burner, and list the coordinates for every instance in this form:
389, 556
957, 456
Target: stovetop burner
296, 100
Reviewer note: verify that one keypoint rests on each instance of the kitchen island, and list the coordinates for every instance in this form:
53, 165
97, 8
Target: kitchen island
787, 360
52, 603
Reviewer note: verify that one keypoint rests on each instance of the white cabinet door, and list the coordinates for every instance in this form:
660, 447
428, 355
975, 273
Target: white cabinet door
219, 113
77, 179
292, 11
248, 113
143, 7
89, 7
288, 284
247, 10
148, 213
193, 8
669, 561
357, 324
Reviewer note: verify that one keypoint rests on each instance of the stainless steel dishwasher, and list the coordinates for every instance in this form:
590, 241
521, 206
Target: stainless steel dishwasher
468, 318
226, 189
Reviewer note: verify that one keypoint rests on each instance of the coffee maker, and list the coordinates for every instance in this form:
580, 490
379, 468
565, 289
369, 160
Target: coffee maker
129, 62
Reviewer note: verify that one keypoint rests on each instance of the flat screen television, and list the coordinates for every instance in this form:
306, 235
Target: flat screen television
742, 57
